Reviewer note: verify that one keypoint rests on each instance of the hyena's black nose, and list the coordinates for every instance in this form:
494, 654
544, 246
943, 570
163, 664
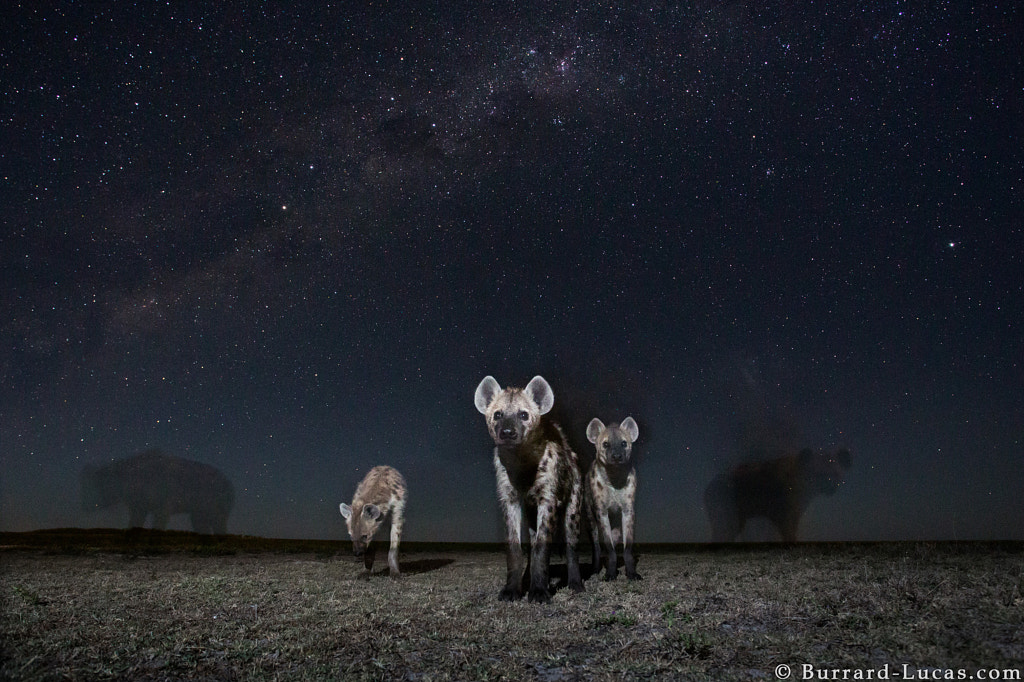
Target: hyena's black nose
507, 433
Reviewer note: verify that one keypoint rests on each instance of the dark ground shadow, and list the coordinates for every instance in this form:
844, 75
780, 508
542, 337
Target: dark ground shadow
558, 577
558, 574
414, 567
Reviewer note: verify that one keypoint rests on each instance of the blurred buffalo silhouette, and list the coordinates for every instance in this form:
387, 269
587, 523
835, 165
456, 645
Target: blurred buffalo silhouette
156, 483
778, 489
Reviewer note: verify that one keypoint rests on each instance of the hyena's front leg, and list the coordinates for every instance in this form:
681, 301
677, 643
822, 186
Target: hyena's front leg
512, 507
627, 542
611, 571
515, 558
397, 519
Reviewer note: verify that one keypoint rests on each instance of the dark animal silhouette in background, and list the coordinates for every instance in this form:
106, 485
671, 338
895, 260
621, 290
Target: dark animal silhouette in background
778, 489
161, 485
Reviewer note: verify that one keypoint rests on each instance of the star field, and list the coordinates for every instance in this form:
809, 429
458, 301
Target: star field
289, 241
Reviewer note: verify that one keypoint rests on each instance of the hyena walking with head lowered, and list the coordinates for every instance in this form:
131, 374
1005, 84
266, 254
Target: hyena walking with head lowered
381, 494
611, 491
538, 480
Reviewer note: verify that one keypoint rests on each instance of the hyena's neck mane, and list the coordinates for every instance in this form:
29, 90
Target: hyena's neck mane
546, 432
521, 461
617, 474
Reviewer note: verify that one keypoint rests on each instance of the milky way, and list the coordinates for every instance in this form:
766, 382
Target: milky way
290, 241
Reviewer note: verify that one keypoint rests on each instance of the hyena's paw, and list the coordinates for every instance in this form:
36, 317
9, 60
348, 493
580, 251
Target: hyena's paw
577, 586
394, 575
510, 594
541, 595
633, 575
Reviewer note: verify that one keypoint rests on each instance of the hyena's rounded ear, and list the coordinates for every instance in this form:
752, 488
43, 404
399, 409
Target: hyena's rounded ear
485, 393
631, 429
346, 510
539, 391
594, 429
372, 510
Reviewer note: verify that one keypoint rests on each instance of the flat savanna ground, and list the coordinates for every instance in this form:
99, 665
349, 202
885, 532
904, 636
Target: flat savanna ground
716, 613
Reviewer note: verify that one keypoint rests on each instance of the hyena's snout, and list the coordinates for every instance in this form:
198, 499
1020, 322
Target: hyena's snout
620, 456
617, 453
359, 548
509, 431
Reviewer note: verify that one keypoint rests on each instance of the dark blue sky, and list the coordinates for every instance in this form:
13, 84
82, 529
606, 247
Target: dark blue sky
289, 239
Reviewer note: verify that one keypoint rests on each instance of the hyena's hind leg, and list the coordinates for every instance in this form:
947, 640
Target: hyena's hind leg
397, 519
540, 553
595, 535
628, 519
573, 514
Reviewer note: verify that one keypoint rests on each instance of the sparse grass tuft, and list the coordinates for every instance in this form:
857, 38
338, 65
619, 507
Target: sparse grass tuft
614, 618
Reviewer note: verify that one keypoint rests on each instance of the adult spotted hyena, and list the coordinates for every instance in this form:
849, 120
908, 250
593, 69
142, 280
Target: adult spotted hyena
380, 495
777, 489
610, 490
162, 485
538, 481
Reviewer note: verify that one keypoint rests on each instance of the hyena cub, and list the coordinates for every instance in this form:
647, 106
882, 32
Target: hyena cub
611, 491
380, 494
538, 479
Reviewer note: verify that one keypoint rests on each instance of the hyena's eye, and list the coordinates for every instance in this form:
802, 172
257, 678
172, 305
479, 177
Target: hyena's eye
624, 443
606, 445
524, 415
497, 416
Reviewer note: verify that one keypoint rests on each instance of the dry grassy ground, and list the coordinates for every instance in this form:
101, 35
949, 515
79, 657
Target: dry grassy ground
701, 613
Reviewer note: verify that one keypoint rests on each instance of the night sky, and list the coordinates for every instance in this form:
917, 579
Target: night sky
289, 239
